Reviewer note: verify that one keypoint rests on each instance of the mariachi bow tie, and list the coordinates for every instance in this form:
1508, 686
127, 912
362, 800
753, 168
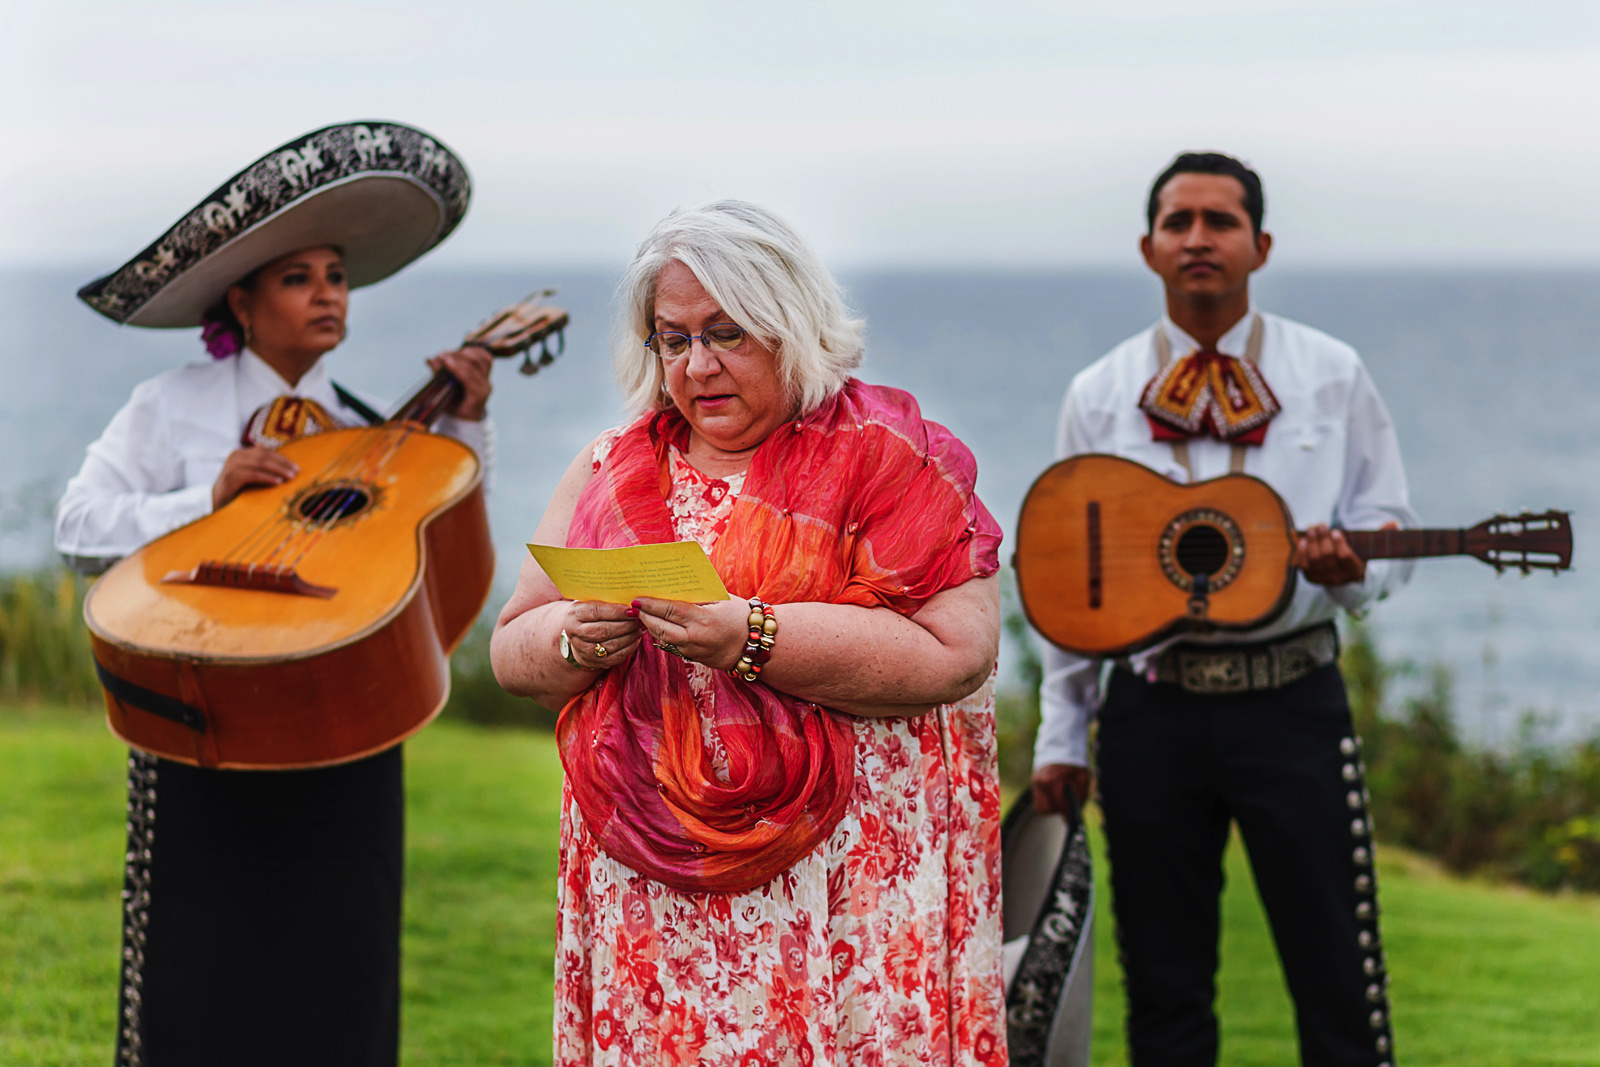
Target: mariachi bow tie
286, 419
1209, 394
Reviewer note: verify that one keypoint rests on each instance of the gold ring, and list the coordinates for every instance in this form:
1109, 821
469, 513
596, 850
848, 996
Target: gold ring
600, 651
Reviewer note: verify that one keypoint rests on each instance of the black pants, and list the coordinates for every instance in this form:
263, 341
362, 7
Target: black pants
1176, 768
262, 915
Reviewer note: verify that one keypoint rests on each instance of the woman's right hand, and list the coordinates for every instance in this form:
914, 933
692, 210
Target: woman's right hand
247, 467
593, 625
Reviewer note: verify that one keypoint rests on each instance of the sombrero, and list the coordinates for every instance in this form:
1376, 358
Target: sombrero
1047, 888
383, 192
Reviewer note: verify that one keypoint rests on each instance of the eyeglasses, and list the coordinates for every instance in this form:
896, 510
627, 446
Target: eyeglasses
671, 345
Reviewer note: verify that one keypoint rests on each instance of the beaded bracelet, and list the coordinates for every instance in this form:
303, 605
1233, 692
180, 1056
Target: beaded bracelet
758, 646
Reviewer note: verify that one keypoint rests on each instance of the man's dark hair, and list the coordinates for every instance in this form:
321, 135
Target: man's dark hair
1255, 203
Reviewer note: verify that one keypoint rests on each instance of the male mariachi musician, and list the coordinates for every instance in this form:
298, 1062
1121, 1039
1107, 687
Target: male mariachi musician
261, 909
1187, 743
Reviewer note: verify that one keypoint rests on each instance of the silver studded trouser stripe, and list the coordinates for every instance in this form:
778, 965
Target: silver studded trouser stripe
142, 781
1374, 962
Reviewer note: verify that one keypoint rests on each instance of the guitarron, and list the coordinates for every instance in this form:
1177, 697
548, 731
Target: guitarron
1112, 557
311, 623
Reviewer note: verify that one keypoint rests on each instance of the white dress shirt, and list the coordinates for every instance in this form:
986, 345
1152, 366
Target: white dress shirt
1331, 453
152, 469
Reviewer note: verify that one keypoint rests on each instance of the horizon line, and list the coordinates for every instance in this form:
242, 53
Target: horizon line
1518, 264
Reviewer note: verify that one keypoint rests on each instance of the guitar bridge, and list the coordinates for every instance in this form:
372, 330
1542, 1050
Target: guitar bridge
265, 578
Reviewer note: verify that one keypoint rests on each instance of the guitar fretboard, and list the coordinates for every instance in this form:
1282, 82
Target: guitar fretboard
1406, 544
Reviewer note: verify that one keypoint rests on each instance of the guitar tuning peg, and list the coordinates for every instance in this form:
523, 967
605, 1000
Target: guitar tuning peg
545, 358
528, 367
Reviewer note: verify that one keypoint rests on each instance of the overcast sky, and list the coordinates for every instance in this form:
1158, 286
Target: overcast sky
1458, 132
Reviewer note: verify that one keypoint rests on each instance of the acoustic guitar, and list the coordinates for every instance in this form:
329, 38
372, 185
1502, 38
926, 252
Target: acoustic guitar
311, 623
1112, 557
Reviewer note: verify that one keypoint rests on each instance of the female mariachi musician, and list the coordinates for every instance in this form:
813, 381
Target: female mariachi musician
261, 909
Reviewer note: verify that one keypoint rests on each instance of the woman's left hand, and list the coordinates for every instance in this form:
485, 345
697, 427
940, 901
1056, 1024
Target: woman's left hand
471, 367
713, 634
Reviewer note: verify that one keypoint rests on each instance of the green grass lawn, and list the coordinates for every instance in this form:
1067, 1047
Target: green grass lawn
482, 813
1482, 974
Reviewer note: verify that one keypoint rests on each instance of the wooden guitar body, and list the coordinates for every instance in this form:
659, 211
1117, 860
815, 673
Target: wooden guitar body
1108, 552
338, 650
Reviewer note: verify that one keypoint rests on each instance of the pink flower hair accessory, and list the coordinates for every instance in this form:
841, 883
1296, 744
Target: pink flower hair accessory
220, 337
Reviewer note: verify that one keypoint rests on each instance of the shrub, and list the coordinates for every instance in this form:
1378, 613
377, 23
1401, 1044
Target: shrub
1529, 812
44, 650
476, 697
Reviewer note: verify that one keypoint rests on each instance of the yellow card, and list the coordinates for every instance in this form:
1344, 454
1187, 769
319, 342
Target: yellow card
675, 571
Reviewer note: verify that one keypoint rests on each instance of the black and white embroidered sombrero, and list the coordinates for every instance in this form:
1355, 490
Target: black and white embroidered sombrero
384, 193
1047, 888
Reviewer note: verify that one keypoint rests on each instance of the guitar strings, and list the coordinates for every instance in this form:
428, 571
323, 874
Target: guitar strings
376, 465
359, 463
362, 468
342, 466
327, 509
408, 418
256, 538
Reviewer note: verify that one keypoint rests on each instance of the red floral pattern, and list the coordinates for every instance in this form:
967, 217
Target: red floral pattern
882, 947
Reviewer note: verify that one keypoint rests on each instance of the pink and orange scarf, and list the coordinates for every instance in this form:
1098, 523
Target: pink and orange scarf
861, 502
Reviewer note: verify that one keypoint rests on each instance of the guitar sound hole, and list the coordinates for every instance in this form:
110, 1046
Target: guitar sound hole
1202, 549
333, 504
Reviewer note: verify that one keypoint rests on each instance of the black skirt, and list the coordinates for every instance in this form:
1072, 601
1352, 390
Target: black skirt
261, 915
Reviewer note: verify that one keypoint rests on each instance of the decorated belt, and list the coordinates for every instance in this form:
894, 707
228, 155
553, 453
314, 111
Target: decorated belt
1247, 668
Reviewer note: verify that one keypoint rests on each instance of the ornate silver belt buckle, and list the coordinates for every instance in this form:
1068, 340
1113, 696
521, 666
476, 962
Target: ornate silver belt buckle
1213, 672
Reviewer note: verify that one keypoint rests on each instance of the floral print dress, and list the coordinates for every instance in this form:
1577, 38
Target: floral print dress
880, 947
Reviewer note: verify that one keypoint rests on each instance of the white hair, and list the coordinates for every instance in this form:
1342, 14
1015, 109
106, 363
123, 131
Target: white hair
764, 276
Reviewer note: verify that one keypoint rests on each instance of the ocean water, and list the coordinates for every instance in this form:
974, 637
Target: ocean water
1490, 376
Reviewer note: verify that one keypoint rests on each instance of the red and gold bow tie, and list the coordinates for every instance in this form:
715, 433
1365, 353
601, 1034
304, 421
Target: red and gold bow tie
1208, 393
285, 419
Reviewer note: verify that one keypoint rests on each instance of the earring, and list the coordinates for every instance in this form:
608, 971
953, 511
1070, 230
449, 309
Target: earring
249, 334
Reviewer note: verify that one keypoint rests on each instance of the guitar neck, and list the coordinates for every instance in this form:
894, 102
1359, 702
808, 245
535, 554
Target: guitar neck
428, 403
1406, 544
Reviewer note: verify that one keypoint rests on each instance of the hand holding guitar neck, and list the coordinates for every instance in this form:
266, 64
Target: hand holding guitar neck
469, 366
1325, 557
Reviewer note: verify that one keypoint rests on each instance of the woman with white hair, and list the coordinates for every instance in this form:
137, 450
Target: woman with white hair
780, 824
